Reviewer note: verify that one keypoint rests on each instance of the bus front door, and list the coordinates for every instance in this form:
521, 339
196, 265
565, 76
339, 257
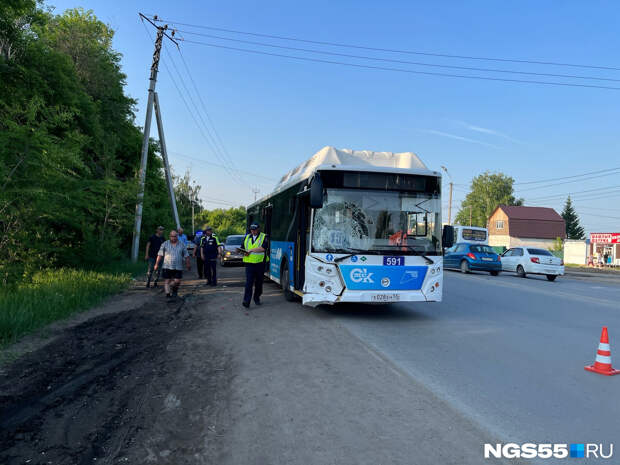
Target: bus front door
303, 229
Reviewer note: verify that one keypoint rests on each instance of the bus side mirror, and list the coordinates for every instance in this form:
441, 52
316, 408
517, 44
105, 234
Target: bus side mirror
447, 236
316, 192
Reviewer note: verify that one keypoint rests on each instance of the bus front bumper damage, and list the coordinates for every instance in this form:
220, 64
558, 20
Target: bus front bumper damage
324, 284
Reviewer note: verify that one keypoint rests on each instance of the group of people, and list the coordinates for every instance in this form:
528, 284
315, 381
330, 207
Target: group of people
171, 256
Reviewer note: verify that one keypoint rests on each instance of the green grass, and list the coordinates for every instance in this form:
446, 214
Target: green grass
52, 295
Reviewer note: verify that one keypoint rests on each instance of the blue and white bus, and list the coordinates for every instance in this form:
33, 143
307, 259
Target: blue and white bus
355, 226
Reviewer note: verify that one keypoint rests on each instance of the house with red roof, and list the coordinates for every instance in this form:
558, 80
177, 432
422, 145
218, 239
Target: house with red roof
513, 226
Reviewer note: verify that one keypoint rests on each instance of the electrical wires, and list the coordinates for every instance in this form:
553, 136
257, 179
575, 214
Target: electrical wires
335, 49
391, 50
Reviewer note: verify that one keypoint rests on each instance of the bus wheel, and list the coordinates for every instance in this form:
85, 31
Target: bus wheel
284, 282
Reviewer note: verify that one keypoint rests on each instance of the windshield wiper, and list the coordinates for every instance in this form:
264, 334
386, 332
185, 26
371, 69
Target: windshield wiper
353, 252
415, 252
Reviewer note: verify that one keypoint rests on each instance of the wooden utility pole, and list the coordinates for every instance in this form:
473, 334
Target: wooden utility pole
161, 32
164, 155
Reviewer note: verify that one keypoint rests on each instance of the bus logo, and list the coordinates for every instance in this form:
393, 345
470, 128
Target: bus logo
385, 282
361, 275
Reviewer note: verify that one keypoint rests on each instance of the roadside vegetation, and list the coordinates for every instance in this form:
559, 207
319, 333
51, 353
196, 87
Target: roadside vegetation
50, 295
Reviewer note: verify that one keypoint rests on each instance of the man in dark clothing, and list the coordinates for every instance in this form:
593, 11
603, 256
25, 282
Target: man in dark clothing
210, 250
152, 248
199, 262
255, 246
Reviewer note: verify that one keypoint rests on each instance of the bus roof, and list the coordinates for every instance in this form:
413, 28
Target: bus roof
331, 158
360, 159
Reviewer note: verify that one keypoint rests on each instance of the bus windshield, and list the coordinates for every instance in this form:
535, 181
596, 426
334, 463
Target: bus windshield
377, 222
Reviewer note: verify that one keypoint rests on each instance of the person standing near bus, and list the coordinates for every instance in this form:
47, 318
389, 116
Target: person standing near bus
152, 247
182, 237
210, 250
254, 245
197, 252
172, 253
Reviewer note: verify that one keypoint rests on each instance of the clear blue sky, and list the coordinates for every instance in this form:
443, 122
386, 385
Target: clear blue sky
273, 113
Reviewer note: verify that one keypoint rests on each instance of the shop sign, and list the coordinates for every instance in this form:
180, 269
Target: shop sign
605, 238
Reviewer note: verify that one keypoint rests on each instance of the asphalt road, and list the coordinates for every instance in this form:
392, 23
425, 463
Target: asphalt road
508, 353
203, 380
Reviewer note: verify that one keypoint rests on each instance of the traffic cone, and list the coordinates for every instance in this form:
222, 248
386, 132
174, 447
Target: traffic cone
602, 364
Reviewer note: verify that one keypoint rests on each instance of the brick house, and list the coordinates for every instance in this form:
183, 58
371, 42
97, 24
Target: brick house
512, 226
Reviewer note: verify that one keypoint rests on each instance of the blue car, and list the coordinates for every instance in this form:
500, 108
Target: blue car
472, 257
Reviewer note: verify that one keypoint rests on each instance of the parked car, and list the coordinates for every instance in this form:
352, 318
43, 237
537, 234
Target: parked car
529, 260
468, 257
230, 253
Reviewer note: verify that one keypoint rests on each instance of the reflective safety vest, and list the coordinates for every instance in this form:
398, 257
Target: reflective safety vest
254, 257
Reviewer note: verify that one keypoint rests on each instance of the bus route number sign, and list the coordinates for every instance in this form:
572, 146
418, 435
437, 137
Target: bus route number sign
394, 261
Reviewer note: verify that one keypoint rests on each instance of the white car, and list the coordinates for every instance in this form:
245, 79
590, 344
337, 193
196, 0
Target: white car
529, 260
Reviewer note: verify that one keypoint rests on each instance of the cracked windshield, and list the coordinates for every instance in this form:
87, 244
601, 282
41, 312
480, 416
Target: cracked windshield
379, 222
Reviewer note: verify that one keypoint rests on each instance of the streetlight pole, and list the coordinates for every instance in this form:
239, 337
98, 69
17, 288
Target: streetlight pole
450, 204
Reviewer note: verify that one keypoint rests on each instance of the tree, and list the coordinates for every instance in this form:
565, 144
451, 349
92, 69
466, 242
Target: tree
557, 248
186, 194
224, 222
487, 191
573, 229
69, 145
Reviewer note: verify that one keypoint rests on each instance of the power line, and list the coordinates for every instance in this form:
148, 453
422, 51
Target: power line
390, 60
211, 138
568, 177
402, 70
220, 165
204, 109
608, 188
598, 176
580, 197
202, 128
409, 52
599, 216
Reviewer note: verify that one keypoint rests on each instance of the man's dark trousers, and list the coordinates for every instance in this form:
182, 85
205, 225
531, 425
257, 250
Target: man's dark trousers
211, 271
253, 278
200, 265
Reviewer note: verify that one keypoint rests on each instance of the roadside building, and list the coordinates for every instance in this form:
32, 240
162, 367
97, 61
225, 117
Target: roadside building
605, 249
512, 226
575, 252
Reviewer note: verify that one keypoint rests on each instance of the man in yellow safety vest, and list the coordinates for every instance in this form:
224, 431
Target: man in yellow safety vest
255, 246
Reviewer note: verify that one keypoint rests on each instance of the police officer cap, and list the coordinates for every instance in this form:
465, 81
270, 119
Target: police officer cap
254, 226
208, 228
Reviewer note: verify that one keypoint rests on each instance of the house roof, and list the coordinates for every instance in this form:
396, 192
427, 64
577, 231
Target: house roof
534, 222
531, 213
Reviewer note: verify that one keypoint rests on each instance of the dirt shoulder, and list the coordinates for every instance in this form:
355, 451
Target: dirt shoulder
204, 380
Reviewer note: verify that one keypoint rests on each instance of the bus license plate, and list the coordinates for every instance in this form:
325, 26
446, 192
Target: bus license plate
394, 261
385, 298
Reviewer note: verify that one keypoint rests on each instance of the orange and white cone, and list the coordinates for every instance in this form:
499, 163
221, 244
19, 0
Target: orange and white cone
602, 364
